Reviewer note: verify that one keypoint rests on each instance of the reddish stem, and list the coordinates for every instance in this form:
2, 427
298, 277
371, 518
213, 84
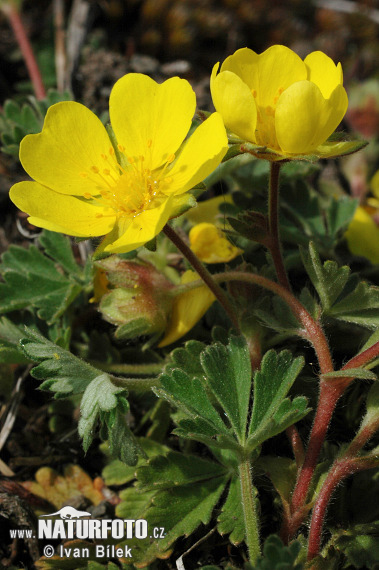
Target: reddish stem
296, 445
330, 392
341, 469
22, 39
273, 217
335, 476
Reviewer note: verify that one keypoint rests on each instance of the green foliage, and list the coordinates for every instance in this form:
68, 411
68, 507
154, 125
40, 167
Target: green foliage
272, 412
228, 372
343, 296
226, 381
231, 518
360, 545
49, 282
276, 556
17, 121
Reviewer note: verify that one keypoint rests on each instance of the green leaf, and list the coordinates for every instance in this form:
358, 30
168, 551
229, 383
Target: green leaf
179, 510
228, 371
187, 358
360, 544
10, 349
271, 384
122, 442
63, 372
34, 280
191, 397
58, 247
134, 505
174, 469
329, 280
276, 556
360, 373
231, 519
100, 395
117, 473
342, 295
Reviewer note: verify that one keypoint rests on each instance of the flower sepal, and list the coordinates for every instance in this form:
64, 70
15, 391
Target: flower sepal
338, 144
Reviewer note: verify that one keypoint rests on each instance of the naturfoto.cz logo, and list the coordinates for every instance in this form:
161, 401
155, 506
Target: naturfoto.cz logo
74, 524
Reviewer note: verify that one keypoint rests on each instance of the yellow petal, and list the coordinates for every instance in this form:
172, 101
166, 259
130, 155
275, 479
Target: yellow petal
132, 233
363, 236
234, 101
244, 64
323, 72
69, 146
208, 210
201, 155
60, 213
279, 67
187, 310
304, 119
210, 245
151, 119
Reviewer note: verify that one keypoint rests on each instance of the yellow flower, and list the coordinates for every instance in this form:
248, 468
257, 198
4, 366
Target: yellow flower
210, 245
84, 187
363, 235
278, 101
187, 310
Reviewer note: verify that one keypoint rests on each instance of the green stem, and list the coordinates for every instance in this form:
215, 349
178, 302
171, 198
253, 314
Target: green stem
136, 384
273, 221
135, 369
208, 279
249, 511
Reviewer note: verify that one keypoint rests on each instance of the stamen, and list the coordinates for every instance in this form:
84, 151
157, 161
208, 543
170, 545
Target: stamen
254, 92
121, 148
83, 175
95, 169
149, 143
87, 196
171, 158
111, 151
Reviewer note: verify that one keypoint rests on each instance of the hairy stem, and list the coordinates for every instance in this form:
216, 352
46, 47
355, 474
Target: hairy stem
22, 39
341, 469
249, 510
135, 369
136, 384
208, 279
273, 220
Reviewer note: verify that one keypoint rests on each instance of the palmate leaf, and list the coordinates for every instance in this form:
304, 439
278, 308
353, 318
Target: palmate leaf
342, 295
48, 282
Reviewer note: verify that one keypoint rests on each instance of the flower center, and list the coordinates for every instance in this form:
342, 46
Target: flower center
265, 133
129, 189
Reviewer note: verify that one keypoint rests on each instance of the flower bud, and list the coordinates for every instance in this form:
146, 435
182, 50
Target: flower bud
138, 301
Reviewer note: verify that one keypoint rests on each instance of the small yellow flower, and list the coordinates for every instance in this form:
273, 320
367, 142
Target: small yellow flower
210, 245
187, 310
362, 235
278, 101
84, 187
